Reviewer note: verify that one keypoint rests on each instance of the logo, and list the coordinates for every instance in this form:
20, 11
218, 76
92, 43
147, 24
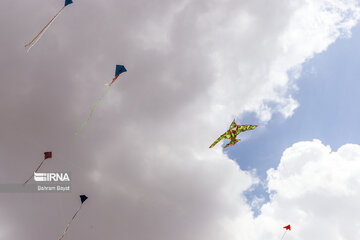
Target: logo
51, 177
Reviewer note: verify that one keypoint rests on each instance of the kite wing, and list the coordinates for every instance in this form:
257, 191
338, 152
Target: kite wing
233, 124
224, 136
47, 155
68, 2
244, 128
83, 198
118, 70
232, 143
288, 227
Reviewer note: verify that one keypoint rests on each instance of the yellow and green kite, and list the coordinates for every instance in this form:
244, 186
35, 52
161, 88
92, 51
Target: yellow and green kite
232, 133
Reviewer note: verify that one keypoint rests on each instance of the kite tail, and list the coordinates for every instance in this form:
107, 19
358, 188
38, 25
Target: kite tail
283, 235
67, 227
91, 112
34, 171
37, 38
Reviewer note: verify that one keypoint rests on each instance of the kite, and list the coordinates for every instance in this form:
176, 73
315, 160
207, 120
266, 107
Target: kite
37, 38
288, 227
46, 156
119, 69
83, 199
232, 133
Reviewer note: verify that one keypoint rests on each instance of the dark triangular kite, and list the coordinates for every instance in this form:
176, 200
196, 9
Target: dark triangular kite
83, 199
119, 69
67, 2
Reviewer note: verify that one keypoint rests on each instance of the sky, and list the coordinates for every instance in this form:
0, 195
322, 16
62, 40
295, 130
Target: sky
193, 66
327, 91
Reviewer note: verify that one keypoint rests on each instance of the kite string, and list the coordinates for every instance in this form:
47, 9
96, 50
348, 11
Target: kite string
283, 235
37, 38
92, 110
35, 171
46, 26
67, 227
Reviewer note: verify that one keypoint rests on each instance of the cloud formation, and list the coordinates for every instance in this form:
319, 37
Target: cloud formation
143, 158
316, 190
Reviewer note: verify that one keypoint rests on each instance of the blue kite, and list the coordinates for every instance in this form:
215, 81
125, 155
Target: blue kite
118, 70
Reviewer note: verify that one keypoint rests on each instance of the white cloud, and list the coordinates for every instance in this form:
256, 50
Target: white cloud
316, 190
143, 159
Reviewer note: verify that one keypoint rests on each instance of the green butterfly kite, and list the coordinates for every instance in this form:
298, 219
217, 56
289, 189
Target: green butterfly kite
232, 133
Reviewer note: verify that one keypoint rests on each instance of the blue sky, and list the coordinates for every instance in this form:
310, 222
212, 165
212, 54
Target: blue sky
328, 95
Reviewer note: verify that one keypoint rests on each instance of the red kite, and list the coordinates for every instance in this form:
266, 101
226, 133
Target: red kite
46, 156
288, 227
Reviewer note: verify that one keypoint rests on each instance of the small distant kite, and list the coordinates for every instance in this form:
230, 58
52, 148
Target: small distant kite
119, 69
46, 156
288, 227
37, 38
83, 199
232, 133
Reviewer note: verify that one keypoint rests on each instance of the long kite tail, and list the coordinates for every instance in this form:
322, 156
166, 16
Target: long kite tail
36, 39
283, 235
92, 110
34, 171
67, 227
